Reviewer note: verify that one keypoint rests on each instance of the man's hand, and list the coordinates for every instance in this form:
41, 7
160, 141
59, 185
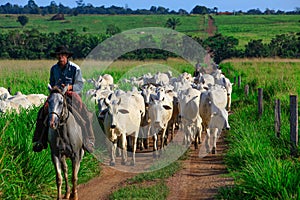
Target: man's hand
70, 87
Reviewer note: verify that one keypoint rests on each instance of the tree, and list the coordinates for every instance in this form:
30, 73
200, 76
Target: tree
222, 47
173, 22
200, 10
23, 20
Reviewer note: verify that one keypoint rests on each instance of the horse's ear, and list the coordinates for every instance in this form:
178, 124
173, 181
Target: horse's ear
49, 87
65, 89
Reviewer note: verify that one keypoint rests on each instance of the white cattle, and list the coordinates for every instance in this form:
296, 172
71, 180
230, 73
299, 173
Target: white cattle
190, 117
228, 86
105, 81
213, 113
160, 112
144, 133
122, 119
19, 100
4, 93
37, 99
220, 79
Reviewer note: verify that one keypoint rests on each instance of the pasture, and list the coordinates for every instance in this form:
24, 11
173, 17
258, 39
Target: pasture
258, 161
97, 24
254, 27
243, 27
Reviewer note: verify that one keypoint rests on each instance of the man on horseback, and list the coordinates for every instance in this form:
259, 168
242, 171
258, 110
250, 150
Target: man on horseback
65, 73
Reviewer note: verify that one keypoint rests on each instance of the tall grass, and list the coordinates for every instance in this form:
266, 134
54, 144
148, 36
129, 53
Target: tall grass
257, 159
25, 174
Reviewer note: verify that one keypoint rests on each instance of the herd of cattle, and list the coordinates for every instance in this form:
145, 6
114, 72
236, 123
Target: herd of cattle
153, 108
157, 104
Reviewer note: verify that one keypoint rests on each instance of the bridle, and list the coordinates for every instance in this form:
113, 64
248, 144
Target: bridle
62, 120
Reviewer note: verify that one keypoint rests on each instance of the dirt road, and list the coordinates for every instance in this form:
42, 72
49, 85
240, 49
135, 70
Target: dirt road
200, 178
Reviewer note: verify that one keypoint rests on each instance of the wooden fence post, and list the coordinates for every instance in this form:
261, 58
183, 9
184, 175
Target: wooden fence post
246, 90
260, 102
277, 118
239, 81
294, 124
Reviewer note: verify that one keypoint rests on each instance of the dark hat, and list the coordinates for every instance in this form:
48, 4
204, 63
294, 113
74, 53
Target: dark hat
61, 50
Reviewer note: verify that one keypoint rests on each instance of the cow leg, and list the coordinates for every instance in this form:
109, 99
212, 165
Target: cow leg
155, 141
134, 144
215, 135
140, 140
147, 135
124, 149
112, 146
65, 171
228, 102
207, 141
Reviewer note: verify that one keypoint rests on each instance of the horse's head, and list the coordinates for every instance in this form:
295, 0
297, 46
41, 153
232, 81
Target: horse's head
57, 107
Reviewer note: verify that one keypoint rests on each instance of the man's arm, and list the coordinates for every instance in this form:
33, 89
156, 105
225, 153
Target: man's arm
78, 82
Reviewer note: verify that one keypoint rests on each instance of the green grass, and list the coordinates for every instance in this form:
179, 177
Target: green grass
97, 24
259, 161
243, 27
253, 27
153, 192
25, 174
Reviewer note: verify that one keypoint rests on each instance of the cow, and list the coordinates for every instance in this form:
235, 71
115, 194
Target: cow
160, 112
213, 113
122, 119
190, 117
146, 91
19, 100
220, 79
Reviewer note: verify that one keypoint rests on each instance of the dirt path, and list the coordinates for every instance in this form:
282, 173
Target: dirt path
200, 178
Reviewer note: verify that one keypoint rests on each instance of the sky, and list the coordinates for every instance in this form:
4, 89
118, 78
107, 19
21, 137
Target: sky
188, 5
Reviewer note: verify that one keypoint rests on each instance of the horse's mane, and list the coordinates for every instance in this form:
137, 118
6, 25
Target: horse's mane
55, 89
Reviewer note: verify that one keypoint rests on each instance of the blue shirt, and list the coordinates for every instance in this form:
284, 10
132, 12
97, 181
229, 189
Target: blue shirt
71, 75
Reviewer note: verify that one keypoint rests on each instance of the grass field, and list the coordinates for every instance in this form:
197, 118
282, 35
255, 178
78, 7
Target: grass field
97, 24
254, 27
243, 27
258, 161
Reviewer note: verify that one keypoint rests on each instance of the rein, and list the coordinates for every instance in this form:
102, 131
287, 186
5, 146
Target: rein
62, 121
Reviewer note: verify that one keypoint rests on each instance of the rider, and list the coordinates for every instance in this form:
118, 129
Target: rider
65, 73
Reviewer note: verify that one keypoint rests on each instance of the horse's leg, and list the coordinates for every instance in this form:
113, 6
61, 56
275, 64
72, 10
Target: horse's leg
57, 166
124, 149
75, 168
65, 171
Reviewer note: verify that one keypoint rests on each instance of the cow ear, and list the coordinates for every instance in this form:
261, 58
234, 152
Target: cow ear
123, 111
167, 107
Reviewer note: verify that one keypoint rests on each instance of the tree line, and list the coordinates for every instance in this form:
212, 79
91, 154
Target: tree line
82, 8
32, 44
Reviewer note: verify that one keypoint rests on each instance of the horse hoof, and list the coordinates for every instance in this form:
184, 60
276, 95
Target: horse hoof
132, 163
112, 163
